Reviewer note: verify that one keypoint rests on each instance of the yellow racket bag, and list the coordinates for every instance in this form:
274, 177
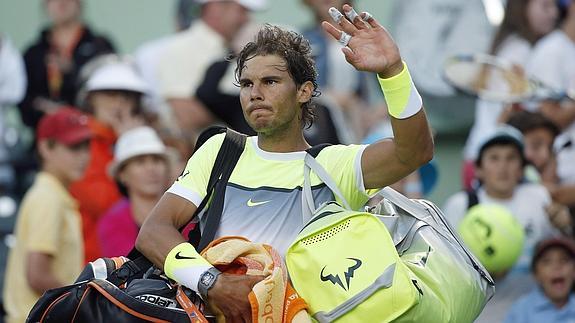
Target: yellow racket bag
399, 261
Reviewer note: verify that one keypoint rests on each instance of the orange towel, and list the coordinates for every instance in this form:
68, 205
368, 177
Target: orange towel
273, 299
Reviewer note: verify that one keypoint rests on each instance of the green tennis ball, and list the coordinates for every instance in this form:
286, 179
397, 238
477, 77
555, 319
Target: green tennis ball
493, 235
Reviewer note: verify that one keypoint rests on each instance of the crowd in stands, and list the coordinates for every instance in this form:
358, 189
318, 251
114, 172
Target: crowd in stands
112, 133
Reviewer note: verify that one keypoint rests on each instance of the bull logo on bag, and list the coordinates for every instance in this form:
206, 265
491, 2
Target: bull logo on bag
336, 280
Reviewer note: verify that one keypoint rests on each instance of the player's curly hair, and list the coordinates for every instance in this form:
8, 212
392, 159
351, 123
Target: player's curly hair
295, 50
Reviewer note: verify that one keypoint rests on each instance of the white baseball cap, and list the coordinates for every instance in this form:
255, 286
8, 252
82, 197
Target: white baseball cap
116, 76
136, 142
253, 5
503, 134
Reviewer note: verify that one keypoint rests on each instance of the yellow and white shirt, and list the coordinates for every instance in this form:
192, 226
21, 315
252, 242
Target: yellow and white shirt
263, 197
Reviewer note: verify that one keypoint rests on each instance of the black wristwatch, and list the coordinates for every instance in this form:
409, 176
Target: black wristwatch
207, 280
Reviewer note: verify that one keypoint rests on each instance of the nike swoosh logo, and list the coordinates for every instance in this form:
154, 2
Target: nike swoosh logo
252, 203
178, 256
183, 175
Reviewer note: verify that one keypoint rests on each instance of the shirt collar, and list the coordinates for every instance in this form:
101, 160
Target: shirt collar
295, 155
540, 301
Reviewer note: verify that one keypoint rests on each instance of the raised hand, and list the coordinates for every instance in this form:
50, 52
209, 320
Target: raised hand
560, 217
370, 47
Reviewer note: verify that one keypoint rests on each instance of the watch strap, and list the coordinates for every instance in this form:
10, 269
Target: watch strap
207, 280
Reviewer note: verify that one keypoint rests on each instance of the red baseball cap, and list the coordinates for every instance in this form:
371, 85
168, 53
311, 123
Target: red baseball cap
562, 242
67, 126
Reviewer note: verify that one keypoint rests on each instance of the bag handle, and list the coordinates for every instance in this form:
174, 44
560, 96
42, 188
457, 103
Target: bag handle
308, 204
387, 192
194, 314
414, 209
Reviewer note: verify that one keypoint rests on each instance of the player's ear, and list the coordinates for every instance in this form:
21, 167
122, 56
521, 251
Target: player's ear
305, 92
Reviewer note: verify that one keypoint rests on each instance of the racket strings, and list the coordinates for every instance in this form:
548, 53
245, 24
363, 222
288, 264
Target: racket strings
488, 81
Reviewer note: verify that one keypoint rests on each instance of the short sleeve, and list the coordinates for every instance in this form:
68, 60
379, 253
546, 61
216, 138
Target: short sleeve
44, 220
343, 163
193, 182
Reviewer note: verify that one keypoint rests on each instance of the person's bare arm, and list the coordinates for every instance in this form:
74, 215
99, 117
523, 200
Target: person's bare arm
563, 193
372, 49
190, 114
389, 160
39, 272
159, 233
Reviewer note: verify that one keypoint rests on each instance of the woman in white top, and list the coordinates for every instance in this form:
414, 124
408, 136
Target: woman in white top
553, 63
525, 22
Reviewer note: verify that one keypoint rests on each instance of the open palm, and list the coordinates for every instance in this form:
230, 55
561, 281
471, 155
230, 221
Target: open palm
370, 48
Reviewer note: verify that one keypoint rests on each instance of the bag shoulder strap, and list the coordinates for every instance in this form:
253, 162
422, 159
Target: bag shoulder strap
315, 150
472, 198
207, 134
311, 164
226, 160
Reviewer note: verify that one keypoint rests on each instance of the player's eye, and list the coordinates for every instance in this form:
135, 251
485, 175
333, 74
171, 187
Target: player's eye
244, 84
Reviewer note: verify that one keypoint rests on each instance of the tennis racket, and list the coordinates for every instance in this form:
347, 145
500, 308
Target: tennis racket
494, 79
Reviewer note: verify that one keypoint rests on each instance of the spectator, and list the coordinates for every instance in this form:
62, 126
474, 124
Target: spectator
147, 55
54, 61
181, 67
539, 133
499, 168
552, 63
48, 251
524, 22
141, 171
552, 301
12, 87
52, 65
114, 95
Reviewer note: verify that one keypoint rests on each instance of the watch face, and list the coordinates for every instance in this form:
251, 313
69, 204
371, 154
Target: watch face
207, 278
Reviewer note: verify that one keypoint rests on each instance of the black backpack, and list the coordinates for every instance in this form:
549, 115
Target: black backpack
123, 290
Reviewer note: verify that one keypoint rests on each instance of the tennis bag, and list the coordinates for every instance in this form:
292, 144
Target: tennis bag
98, 297
400, 261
